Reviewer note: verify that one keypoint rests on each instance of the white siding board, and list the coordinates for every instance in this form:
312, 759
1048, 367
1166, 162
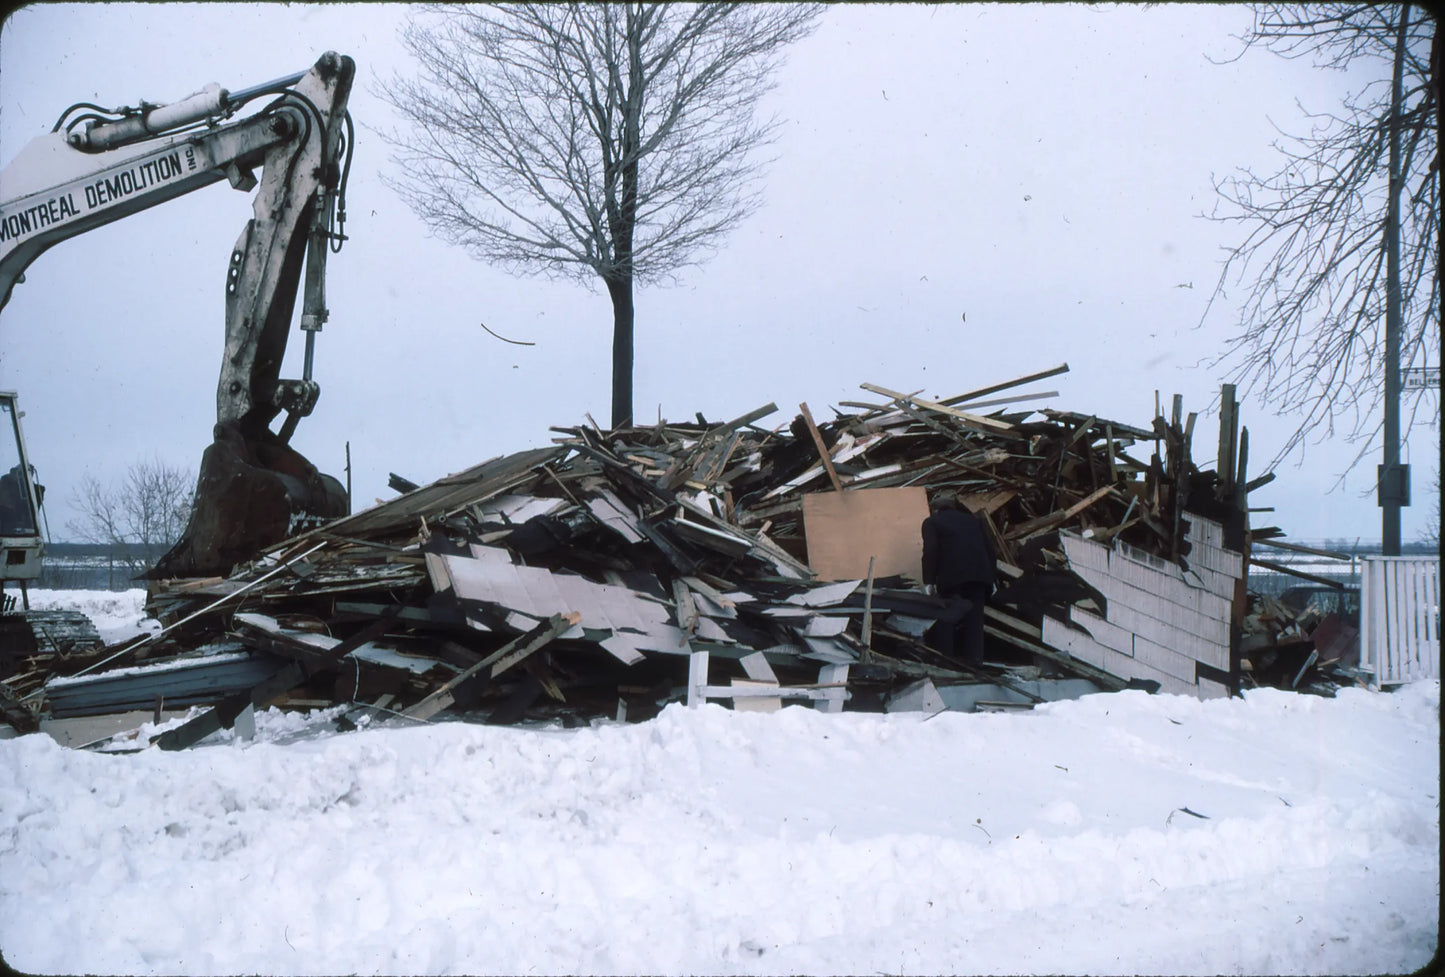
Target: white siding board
1085, 552
1134, 668
1141, 623
1108, 634
1170, 634
1143, 602
1136, 574
1150, 567
1202, 530
1145, 599
1212, 690
1218, 559
1212, 581
1101, 580
1165, 659
1058, 635
1211, 629
1161, 619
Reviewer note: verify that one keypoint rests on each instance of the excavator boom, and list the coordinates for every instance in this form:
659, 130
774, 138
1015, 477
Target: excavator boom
253, 489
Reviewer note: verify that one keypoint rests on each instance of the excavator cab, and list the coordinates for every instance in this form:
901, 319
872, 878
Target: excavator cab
25, 632
20, 541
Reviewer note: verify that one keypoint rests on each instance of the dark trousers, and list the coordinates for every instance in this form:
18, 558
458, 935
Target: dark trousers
959, 631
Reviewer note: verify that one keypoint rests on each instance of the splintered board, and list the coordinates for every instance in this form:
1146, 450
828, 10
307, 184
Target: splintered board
843, 529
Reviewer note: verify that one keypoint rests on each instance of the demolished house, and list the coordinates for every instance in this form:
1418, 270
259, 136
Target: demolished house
616, 571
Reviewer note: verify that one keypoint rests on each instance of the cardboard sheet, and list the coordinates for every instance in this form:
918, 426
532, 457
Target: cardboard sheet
843, 529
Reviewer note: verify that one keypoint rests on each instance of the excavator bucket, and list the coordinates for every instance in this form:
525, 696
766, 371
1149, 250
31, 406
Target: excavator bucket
251, 493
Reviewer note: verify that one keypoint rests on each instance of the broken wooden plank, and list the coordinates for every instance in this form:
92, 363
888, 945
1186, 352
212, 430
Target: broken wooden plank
13, 711
494, 664
1053, 519
1291, 571
987, 423
223, 714
1017, 382
760, 675
1000, 401
686, 607
1297, 548
822, 448
1096, 675
134, 645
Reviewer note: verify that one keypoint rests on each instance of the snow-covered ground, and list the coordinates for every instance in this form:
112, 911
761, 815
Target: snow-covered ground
117, 615
1119, 833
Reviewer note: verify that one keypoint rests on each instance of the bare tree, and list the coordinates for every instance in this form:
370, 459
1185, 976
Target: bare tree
612, 141
1312, 261
141, 516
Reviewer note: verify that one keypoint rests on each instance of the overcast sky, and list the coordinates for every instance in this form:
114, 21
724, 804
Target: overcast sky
962, 194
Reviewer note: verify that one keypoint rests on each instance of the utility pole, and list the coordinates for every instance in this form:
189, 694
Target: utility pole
1394, 478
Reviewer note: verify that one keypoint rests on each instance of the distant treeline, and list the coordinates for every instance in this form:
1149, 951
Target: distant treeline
95, 566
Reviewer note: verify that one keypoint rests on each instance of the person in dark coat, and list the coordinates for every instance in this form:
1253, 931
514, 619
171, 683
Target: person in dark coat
959, 566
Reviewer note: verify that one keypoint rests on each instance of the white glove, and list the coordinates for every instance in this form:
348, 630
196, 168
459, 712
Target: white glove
930, 590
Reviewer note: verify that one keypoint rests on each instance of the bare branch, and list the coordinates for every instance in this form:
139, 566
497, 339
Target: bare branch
142, 515
522, 119
1310, 327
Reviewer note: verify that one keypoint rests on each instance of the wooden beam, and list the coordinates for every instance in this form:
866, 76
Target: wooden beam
1286, 568
14, 713
1228, 439
1057, 518
822, 448
1016, 623
1296, 548
976, 420
748, 418
1068, 662
1016, 398
686, 607
1020, 381
494, 664
868, 612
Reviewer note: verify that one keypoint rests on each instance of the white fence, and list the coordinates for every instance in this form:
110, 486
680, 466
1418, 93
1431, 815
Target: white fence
1400, 618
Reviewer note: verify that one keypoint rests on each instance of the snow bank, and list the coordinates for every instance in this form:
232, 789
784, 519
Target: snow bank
1277, 833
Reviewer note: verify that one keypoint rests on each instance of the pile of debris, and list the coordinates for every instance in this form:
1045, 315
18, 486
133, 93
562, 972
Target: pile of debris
1307, 637
618, 570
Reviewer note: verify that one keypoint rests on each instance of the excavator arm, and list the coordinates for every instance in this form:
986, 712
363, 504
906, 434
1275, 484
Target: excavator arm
102, 166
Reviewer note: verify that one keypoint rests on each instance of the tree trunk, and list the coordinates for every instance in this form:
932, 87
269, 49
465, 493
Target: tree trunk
620, 289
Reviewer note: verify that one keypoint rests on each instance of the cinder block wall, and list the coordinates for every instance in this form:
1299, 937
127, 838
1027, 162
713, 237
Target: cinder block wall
1161, 621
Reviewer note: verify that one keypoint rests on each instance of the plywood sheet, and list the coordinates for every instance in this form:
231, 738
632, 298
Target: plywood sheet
843, 529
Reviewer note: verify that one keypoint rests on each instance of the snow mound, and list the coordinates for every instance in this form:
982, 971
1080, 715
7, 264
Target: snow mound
1119, 833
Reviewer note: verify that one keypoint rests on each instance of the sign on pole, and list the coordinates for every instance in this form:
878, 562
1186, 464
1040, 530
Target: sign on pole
1420, 378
